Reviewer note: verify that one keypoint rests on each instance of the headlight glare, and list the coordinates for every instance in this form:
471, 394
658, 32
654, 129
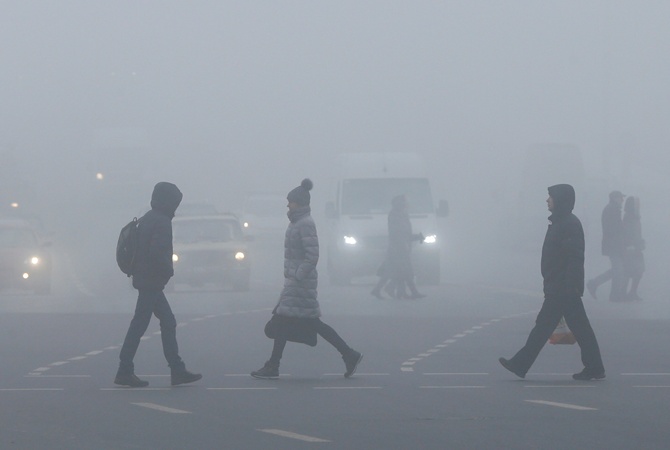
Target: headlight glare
239, 256
430, 239
349, 240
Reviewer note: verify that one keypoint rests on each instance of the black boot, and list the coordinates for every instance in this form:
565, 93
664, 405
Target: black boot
269, 371
183, 376
129, 379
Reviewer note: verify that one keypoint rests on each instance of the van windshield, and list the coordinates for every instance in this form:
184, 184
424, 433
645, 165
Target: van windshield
373, 195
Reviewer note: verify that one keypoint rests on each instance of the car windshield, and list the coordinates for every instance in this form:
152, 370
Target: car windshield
373, 196
191, 231
16, 238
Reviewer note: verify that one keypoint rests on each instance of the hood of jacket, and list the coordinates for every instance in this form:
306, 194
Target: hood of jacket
564, 199
166, 198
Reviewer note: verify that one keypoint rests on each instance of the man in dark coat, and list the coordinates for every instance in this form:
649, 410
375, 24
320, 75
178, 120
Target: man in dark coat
298, 306
613, 248
562, 268
151, 272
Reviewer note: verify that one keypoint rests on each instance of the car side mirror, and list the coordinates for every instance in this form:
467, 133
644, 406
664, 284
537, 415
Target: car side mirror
442, 209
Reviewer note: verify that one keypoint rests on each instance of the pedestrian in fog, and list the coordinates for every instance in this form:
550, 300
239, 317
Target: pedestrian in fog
298, 309
634, 245
398, 264
151, 272
562, 268
613, 248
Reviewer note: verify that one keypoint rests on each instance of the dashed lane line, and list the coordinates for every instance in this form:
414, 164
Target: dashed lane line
406, 366
291, 435
41, 370
562, 405
336, 388
162, 408
31, 389
452, 387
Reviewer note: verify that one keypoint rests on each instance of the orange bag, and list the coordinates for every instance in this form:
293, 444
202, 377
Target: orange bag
562, 334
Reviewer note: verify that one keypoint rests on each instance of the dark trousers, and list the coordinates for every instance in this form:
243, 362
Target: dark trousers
151, 302
547, 319
324, 330
617, 274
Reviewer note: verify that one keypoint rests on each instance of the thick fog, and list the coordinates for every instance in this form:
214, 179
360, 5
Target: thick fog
225, 98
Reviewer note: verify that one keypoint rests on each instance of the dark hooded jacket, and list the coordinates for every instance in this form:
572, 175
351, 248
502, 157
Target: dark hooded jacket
612, 244
563, 249
153, 264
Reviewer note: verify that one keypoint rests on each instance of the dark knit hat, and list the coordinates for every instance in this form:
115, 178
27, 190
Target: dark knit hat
300, 195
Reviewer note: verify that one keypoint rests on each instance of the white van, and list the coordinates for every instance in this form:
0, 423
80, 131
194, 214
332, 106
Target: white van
357, 217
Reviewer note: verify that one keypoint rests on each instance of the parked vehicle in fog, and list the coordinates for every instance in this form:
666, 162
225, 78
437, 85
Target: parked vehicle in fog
210, 249
358, 229
25, 260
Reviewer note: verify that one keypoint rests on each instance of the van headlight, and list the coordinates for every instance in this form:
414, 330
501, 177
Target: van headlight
430, 239
239, 256
175, 257
349, 240
35, 260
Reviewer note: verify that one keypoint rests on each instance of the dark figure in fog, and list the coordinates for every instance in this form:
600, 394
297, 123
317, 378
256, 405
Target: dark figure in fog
562, 268
613, 248
298, 310
398, 264
634, 245
151, 272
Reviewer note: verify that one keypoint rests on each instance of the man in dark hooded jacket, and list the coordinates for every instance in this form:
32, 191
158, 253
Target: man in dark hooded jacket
151, 272
562, 268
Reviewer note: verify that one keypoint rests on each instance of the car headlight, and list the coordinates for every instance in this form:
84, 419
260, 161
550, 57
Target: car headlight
245, 224
349, 240
175, 257
35, 260
239, 256
430, 239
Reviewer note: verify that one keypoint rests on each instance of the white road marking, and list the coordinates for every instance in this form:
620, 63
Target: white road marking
659, 374
112, 347
77, 358
647, 386
39, 375
571, 386
469, 331
441, 345
563, 405
59, 363
433, 350
451, 387
291, 435
408, 363
423, 355
93, 353
33, 389
460, 335
456, 373
162, 408
41, 369
450, 341
129, 389
358, 374
325, 388
406, 369
243, 389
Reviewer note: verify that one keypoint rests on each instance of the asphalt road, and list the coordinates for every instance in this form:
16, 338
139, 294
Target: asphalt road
429, 377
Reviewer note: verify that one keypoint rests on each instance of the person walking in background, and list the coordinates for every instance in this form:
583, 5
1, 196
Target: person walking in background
151, 272
634, 245
298, 306
562, 268
398, 264
613, 248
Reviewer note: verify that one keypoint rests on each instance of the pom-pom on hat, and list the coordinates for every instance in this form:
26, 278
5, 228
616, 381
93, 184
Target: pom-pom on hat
300, 195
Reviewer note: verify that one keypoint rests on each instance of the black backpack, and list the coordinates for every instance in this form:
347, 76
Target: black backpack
126, 247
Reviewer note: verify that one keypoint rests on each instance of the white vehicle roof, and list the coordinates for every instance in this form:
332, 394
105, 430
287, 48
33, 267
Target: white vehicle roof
381, 165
